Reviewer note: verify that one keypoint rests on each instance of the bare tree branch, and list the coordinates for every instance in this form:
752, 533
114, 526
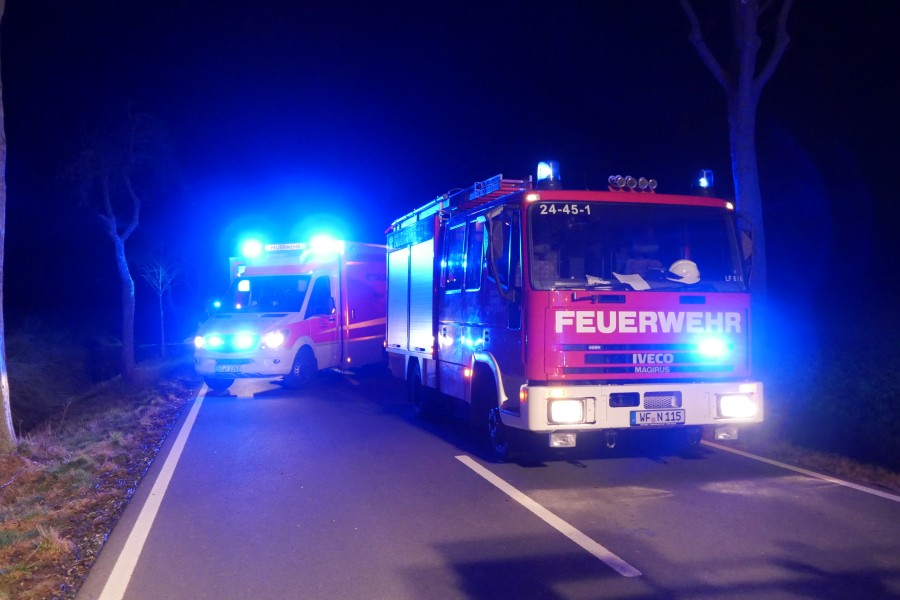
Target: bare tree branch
782, 40
706, 55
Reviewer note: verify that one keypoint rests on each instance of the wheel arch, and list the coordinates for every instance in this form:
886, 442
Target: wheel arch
485, 364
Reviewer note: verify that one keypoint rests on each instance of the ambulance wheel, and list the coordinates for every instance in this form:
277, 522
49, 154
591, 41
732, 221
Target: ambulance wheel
219, 385
303, 370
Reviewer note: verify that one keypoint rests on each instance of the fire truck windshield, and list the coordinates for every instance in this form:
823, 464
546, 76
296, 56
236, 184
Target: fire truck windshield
633, 246
256, 293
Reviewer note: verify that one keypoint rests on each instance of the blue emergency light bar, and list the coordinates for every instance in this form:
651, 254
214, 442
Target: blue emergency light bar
548, 175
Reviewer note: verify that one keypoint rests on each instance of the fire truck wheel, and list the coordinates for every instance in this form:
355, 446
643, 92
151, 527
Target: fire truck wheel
219, 385
303, 370
418, 394
498, 435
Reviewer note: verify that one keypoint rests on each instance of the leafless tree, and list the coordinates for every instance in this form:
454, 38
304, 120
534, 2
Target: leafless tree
116, 169
7, 433
743, 83
160, 273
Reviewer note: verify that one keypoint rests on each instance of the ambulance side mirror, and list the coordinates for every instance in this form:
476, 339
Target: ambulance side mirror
212, 306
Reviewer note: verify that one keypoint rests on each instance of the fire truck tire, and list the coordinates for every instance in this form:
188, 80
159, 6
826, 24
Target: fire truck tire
303, 370
219, 385
498, 436
499, 441
422, 400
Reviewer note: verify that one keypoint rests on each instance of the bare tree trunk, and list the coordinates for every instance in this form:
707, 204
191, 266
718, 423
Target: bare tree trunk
126, 293
7, 433
742, 140
743, 85
162, 329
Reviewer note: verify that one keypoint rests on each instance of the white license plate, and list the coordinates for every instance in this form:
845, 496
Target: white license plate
657, 417
228, 368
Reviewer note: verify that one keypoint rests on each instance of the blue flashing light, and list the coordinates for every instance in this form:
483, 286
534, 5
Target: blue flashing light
548, 175
244, 285
243, 341
713, 348
214, 341
251, 248
706, 179
325, 244
217, 304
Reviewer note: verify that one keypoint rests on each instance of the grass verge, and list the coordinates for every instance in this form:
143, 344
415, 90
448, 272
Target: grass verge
64, 489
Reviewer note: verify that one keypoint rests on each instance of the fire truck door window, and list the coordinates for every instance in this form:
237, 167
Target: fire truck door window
454, 257
504, 242
475, 254
320, 300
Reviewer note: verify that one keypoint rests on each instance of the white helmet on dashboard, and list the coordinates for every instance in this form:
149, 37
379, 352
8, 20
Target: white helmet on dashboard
683, 271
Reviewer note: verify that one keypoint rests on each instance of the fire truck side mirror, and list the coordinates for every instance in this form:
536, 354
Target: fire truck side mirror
746, 239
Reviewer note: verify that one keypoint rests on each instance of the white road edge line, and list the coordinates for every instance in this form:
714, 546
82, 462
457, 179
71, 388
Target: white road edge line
828, 478
127, 560
613, 561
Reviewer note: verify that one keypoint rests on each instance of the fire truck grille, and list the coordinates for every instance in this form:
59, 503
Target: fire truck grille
653, 400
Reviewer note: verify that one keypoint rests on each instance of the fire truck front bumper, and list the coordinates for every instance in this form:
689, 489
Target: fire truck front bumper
561, 410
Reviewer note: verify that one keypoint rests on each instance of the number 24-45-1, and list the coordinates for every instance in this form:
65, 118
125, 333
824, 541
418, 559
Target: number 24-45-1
565, 209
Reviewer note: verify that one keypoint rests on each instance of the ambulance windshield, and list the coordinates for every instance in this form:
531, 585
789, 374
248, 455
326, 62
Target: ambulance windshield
270, 293
626, 246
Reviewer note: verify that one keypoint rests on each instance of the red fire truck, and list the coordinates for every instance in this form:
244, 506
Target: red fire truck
567, 312
295, 309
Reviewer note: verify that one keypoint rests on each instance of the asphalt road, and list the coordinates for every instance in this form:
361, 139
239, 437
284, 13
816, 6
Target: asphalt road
338, 491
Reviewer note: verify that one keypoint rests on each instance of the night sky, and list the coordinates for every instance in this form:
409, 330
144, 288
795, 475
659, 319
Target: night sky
290, 116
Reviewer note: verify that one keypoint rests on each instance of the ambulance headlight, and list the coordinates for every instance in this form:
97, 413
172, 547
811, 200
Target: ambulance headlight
737, 406
274, 339
565, 411
199, 341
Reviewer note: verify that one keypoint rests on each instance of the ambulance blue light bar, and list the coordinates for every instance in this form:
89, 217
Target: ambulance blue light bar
251, 248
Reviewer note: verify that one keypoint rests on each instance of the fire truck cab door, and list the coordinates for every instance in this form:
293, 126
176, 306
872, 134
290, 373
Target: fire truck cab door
323, 319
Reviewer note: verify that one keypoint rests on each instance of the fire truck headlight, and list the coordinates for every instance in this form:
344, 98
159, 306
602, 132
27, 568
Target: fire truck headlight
243, 341
737, 406
199, 341
274, 339
565, 411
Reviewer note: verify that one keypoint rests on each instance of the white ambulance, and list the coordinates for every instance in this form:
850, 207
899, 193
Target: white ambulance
295, 309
